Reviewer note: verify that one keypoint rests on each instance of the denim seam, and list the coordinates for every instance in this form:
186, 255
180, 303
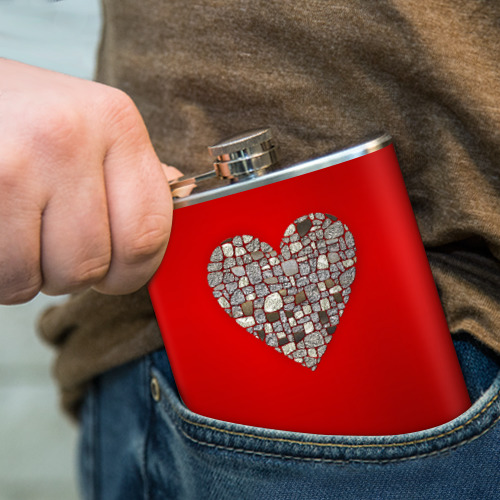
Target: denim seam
341, 445
340, 461
88, 447
144, 374
96, 455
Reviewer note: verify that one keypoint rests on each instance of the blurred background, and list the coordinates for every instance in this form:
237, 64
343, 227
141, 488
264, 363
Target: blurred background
37, 442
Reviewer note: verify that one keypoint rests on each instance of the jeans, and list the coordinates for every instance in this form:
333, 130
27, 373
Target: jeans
138, 441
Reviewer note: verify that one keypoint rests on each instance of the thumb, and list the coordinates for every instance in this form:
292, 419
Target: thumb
174, 174
171, 173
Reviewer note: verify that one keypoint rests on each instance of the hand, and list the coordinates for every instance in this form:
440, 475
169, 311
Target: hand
84, 200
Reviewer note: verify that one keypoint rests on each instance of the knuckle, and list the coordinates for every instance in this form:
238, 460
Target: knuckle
20, 271
19, 296
122, 115
89, 272
118, 100
79, 276
13, 167
147, 242
10, 177
59, 128
19, 291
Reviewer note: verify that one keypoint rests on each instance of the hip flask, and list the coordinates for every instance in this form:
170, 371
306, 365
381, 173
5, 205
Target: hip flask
301, 298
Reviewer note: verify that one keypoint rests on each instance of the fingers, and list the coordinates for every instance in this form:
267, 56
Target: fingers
171, 173
84, 200
20, 276
139, 206
75, 241
140, 211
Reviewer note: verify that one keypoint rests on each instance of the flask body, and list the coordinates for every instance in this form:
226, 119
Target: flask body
329, 322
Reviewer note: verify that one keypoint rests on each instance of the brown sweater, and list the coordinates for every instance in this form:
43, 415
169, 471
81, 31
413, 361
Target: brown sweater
323, 74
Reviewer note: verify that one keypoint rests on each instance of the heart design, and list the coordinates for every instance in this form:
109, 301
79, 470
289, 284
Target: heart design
292, 301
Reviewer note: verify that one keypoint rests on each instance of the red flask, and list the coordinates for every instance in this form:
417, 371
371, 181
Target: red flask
302, 299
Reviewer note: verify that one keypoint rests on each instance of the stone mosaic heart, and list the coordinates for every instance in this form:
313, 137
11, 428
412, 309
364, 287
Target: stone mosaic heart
292, 301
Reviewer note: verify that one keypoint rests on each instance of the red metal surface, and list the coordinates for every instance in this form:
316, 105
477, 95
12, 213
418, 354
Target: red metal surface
390, 368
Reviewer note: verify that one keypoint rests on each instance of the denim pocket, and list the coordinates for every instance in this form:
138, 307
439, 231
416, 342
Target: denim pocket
207, 458
140, 441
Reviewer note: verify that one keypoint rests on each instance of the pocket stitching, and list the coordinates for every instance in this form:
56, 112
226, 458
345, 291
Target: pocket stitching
340, 461
342, 445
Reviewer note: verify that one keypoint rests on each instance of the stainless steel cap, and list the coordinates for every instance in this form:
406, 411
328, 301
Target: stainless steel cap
245, 155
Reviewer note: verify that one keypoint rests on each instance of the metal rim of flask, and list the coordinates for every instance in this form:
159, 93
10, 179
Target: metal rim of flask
247, 161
